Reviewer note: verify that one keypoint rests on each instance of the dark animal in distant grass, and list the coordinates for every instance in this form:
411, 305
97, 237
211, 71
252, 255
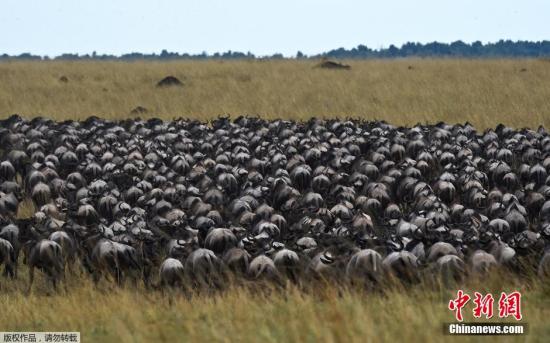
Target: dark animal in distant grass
327, 64
169, 81
138, 110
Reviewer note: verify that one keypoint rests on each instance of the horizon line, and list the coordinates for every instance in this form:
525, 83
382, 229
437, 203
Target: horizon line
249, 54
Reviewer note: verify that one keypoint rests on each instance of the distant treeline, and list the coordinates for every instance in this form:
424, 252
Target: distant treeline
502, 48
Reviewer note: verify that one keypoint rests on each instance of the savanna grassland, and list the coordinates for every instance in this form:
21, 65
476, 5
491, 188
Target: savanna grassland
403, 92
323, 313
484, 92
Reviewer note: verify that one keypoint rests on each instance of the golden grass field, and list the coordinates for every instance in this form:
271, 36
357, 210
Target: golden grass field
484, 92
321, 314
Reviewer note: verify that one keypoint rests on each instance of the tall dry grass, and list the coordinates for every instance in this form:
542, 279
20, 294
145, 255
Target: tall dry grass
484, 92
320, 314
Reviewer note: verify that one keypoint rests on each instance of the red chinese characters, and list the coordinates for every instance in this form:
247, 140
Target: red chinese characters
484, 305
508, 305
458, 303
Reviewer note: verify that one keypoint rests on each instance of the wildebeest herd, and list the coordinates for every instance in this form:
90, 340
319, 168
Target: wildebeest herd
189, 204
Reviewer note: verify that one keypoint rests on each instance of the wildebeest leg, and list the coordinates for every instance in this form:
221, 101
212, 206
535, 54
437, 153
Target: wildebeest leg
96, 276
86, 265
16, 258
67, 263
64, 279
31, 279
54, 282
134, 277
171, 295
162, 285
9, 269
12, 270
118, 274
147, 277
71, 265
179, 282
216, 282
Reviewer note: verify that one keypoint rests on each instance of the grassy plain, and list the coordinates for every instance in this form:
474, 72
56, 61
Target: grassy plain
484, 92
322, 314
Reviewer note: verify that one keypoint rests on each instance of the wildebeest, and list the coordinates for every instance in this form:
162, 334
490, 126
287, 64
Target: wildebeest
365, 266
7, 257
262, 268
67, 244
204, 269
450, 268
237, 260
171, 273
116, 259
402, 264
481, 262
10, 233
47, 256
288, 263
329, 199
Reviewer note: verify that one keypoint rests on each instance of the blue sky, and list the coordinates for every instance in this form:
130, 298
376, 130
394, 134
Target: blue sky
52, 27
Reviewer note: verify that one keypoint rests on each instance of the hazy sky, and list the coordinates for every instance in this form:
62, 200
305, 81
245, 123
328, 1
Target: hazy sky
52, 27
